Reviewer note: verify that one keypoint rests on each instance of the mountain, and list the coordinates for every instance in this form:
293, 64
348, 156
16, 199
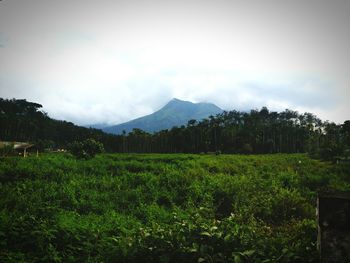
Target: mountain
175, 113
98, 126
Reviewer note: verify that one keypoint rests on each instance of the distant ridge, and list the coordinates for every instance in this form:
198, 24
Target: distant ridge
175, 113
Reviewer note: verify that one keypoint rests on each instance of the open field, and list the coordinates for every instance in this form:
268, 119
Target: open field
162, 208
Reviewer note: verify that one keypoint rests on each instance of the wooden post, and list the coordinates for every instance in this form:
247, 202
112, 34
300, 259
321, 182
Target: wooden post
37, 153
333, 215
25, 153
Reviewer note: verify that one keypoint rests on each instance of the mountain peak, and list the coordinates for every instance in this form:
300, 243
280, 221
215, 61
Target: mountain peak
176, 100
186, 101
175, 113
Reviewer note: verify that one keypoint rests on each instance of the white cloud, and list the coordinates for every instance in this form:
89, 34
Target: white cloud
111, 61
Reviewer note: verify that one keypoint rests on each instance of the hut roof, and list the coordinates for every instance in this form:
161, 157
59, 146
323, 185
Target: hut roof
16, 145
22, 145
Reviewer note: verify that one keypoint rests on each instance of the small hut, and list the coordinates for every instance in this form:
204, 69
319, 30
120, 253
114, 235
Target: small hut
22, 146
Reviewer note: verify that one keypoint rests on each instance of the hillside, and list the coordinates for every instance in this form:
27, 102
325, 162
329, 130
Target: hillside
175, 113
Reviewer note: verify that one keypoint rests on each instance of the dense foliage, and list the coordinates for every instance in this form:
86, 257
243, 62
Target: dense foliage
162, 208
257, 131
86, 149
254, 132
21, 120
7, 149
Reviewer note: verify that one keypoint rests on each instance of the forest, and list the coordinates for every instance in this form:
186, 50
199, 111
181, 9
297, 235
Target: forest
254, 132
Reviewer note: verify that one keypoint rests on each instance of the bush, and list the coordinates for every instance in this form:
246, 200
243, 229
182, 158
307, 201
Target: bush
7, 150
86, 149
247, 148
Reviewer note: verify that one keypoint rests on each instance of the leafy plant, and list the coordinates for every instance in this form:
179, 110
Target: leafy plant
162, 208
7, 150
86, 149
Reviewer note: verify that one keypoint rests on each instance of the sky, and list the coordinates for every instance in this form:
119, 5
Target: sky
111, 61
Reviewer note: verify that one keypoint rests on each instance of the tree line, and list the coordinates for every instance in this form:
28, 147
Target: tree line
21, 120
257, 131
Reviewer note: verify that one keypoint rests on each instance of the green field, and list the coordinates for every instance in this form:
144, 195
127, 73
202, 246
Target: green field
163, 208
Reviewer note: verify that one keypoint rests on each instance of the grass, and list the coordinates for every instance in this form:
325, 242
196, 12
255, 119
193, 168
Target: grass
163, 208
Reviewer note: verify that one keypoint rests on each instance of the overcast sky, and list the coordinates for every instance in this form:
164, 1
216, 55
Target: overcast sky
112, 61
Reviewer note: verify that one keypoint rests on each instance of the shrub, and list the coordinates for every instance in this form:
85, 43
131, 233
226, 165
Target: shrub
7, 150
86, 149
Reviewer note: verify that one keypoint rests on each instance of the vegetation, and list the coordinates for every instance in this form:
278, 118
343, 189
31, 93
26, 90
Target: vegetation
21, 120
79, 207
7, 149
163, 208
86, 149
257, 131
